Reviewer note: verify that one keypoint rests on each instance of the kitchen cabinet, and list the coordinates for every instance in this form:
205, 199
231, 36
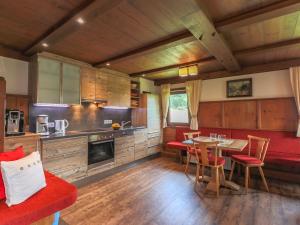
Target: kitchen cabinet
118, 89
66, 158
53, 81
101, 86
124, 150
140, 144
149, 115
49, 77
70, 84
29, 141
88, 84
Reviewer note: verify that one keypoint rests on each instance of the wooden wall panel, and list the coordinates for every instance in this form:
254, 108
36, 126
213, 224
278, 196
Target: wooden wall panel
263, 114
278, 114
240, 114
2, 108
210, 114
169, 134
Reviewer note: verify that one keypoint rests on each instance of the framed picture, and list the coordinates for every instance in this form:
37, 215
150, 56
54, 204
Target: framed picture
239, 88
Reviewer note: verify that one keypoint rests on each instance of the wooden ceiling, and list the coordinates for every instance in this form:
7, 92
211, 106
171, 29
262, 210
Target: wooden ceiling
153, 38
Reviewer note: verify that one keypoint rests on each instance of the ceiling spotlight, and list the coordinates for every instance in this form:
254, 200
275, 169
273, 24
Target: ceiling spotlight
107, 64
80, 20
45, 45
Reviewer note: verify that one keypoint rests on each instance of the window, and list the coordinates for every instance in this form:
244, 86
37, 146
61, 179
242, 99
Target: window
178, 107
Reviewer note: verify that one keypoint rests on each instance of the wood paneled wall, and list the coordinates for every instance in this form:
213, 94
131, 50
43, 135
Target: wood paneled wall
265, 114
2, 109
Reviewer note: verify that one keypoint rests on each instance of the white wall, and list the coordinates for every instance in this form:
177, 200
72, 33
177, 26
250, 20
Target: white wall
265, 85
148, 86
15, 73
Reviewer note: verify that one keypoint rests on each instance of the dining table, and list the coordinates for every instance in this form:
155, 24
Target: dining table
234, 145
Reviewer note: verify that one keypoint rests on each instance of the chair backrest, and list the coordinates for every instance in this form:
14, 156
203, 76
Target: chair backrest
202, 152
190, 136
262, 146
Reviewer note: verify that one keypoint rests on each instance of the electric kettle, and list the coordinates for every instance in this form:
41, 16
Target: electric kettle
61, 126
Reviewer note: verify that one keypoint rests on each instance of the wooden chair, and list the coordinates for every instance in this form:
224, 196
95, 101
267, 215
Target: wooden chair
249, 161
207, 159
190, 148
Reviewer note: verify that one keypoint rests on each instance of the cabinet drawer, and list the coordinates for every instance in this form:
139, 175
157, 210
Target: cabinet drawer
154, 149
61, 148
153, 141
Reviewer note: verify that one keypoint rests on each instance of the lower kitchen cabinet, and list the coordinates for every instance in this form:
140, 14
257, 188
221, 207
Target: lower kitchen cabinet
124, 150
154, 142
140, 144
66, 158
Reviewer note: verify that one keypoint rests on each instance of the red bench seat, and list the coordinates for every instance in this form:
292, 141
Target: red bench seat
57, 195
283, 152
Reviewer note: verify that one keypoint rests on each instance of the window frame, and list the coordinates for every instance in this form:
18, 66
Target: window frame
175, 91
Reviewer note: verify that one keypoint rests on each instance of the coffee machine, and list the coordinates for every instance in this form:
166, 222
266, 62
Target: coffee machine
14, 123
42, 124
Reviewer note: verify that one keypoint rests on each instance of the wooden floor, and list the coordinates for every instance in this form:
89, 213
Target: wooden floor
157, 192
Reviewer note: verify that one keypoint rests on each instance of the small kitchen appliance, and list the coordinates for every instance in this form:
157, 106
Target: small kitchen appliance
42, 124
61, 126
14, 123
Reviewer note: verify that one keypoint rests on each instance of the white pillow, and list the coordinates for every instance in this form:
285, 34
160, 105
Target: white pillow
22, 178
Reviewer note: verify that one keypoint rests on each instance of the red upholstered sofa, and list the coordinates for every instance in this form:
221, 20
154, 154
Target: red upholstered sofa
57, 195
283, 153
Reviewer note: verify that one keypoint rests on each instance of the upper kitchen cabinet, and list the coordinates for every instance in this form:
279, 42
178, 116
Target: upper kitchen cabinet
70, 84
48, 81
88, 84
101, 86
93, 85
53, 81
118, 89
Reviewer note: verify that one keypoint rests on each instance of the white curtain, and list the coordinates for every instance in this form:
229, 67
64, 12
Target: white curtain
165, 98
295, 82
193, 90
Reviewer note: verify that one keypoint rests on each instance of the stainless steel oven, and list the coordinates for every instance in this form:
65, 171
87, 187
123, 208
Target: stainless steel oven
100, 152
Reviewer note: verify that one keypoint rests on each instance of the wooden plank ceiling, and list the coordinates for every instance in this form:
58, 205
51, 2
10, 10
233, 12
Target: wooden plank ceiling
154, 38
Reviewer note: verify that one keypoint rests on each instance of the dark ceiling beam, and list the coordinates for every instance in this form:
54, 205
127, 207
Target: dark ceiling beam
199, 24
268, 47
174, 40
11, 52
274, 66
199, 61
88, 10
273, 10
243, 52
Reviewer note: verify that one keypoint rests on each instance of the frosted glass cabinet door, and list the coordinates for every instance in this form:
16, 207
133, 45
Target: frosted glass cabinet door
71, 84
48, 81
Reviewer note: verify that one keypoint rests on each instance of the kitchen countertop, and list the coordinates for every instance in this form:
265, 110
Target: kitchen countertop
78, 133
27, 134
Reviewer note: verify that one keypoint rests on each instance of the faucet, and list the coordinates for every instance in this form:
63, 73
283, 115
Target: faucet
123, 123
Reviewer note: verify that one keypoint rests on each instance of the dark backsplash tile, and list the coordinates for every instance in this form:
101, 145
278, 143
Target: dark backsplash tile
87, 116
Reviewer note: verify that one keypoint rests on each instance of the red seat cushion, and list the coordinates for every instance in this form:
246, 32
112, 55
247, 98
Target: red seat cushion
57, 195
176, 145
18, 153
249, 160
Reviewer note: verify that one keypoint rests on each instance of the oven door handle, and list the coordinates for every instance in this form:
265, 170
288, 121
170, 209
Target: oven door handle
101, 142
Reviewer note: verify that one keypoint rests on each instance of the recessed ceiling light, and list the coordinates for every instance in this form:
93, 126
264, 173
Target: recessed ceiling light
80, 20
108, 64
45, 45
